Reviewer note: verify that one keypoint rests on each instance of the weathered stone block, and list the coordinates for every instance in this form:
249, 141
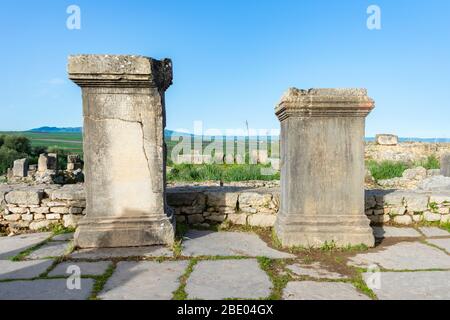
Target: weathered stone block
386, 139
25, 196
222, 199
20, 168
239, 219
124, 120
431, 217
416, 202
322, 167
405, 220
261, 220
445, 165
254, 199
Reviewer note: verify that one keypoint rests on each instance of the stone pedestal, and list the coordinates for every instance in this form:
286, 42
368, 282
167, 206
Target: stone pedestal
124, 150
20, 168
322, 167
445, 165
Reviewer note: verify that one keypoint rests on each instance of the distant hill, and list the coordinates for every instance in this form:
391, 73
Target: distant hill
56, 130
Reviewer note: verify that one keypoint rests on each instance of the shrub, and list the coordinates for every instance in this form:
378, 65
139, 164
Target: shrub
20, 144
386, 169
7, 157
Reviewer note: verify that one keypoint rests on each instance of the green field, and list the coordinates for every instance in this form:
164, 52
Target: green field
70, 141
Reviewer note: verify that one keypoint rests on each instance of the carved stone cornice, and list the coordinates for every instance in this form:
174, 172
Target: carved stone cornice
120, 71
324, 103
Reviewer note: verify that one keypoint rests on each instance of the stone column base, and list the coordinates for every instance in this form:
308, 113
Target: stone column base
316, 230
125, 231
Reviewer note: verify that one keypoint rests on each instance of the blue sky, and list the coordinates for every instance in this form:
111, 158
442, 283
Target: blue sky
233, 59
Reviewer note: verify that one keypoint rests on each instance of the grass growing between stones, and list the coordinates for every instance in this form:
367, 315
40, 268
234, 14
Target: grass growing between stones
180, 293
361, 285
279, 281
22, 255
100, 281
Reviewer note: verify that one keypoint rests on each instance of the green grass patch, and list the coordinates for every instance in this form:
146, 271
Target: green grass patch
219, 172
361, 285
386, 169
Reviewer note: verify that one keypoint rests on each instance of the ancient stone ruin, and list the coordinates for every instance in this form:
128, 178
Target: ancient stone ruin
322, 167
123, 140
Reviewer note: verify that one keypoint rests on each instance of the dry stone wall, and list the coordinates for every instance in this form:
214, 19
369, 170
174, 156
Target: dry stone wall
37, 207
405, 151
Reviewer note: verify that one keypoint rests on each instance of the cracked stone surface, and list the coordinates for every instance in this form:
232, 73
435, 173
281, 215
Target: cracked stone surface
12, 246
395, 232
22, 269
404, 256
434, 232
420, 285
63, 237
441, 243
144, 280
221, 279
45, 289
207, 243
311, 290
109, 253
87, 268
314, 270
50, 249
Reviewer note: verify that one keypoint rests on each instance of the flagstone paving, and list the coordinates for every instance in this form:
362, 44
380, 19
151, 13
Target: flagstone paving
149, 280
395, 232
223, 265
22, 269
311, 290
50, 249
434, 232
404, 256
226, 279
207, 243
86, 268
110, 253
441, 243
420, 285
46, 289
314, 270
12, 246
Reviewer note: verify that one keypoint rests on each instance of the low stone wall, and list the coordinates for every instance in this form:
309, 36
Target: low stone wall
36, 207
405, 151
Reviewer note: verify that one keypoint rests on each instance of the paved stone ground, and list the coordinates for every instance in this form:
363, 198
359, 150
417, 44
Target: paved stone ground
409, 263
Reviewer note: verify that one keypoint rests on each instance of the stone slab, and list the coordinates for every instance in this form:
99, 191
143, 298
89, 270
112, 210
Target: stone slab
63, 237
404, 256
23, 269
420, 285
144, 280
314, 270
12, 246
45, 289
87, 268
395, 232
49, 250
434, 232
110, 253
207, 243
222, 279
441, 243
311, 290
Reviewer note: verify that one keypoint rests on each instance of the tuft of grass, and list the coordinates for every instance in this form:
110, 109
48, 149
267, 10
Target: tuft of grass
60, 229
100, 281
180, 293
445, 226
276, 242
432, 162
386, 169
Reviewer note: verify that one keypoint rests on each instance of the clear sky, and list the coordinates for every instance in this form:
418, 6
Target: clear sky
233, 59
